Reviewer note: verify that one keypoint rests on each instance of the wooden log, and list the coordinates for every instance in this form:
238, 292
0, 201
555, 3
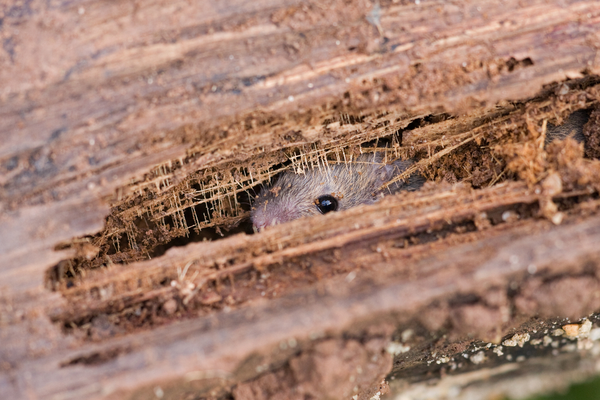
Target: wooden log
217, 345
93, 95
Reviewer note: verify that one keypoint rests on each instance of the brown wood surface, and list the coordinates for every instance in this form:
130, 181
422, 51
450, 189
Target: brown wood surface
71, 81
94, 94
220, 343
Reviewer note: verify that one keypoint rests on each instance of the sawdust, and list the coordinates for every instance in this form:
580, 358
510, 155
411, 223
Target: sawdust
475, 152
175, 204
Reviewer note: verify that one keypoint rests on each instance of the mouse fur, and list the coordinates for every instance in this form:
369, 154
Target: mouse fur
572, 127
294, 195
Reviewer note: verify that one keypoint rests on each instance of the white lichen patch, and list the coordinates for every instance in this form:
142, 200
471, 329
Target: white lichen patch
498, 351
478, 358
442, 360
407, 334
395, 348
376, 396
558, 332
518, 339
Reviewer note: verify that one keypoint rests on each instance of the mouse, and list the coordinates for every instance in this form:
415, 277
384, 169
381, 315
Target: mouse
341, 186
572, 127
335, 187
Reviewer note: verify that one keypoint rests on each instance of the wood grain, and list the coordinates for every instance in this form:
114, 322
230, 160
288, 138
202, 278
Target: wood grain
94, 94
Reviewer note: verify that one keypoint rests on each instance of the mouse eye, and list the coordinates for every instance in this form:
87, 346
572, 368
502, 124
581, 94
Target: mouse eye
326, 203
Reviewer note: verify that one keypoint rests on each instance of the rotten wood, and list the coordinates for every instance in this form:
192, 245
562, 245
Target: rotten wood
222, 342
95, 94
114, 102
92, 119
207, 262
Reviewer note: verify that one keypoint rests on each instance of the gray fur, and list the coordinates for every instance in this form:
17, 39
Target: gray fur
293, 195
573, 127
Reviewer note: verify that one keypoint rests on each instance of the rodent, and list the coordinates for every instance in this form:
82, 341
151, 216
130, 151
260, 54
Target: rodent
573, 127
334, 188
342, 186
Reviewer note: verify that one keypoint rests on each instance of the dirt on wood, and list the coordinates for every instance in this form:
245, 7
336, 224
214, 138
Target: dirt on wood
134, 138
391, 242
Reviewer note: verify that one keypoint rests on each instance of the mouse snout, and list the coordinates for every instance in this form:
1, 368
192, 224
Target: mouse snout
259, 226
263, 217
260, 222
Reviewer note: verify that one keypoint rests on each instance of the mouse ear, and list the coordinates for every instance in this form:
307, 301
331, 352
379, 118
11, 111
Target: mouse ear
396, 168
413, 182
402, 165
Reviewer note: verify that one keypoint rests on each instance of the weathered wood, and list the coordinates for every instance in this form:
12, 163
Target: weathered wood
30, 234
92, 120
410, 215
94, 94
222, 342
124, 92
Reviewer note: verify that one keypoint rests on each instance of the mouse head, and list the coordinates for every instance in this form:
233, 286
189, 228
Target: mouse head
318, 191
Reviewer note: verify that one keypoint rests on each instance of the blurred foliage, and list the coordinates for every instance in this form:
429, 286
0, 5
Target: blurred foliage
589, 390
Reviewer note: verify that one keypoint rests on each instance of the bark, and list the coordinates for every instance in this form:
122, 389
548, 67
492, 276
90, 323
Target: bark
95, 95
